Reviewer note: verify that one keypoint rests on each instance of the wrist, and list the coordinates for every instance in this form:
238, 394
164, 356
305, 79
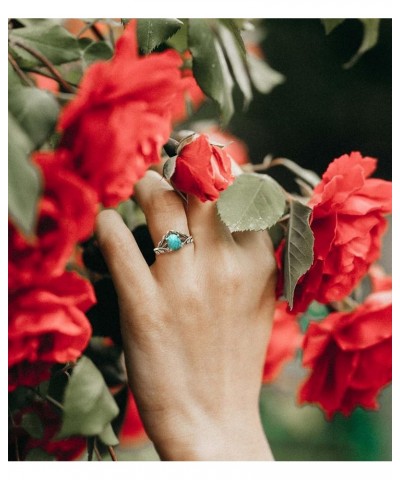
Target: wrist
235, 437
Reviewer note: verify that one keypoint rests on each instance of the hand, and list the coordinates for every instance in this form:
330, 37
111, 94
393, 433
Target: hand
195, 326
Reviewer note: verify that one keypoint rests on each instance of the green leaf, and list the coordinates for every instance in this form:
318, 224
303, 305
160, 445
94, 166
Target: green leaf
39, 455
264, 78
370, 38
151, 32
24, 180
36, 112
252, 202
277, 233
331, 23
96, 51
209, 66
14, 81
88, 403
38, 21
32, 424
108, 437
236, 55
299, 253
179, 41
54, 42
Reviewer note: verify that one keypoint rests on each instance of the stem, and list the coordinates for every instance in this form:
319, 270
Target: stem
20, 72
90, 447
54, 402
96, 451
111, 451
15, 438
265, 165
111, 35
97, 32
47, 63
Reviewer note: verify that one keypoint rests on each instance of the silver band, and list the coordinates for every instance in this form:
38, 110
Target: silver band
172, 241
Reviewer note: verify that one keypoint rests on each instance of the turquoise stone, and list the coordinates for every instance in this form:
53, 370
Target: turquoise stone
174, 242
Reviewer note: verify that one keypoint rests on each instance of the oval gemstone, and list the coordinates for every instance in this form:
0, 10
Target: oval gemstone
174, 242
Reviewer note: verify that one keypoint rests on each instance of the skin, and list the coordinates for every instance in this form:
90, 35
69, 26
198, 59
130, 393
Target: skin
195, 326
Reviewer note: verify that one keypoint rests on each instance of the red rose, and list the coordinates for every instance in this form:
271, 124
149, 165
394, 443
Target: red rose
348, 223
66, 215
66, 449
46, 326
202, 169
285, 339
233, 146
121, 117
350, 355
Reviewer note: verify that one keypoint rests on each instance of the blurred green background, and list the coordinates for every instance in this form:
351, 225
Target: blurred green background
320, 112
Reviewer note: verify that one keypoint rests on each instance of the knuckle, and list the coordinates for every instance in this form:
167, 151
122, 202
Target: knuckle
164, 200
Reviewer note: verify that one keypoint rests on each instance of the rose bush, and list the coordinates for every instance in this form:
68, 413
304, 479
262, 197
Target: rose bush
117, 119
348, 222
121, 117
350, 356
45, 440
66, 216
47, 325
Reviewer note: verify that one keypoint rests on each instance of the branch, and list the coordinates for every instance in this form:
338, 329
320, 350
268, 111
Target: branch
20, 72
47, 63
111, 451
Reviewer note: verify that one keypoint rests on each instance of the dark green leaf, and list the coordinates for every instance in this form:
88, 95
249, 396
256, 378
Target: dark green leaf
88, 404
32, 424
370, 38
298, 255
84, 42
14, 81
36, 112
55, 43
151, 32
209, 66
179, 41
331, 23
28, 22
20, 398
96, 51
264, 77
107, 436
236, 55
24, 181
252, 202
39, 455
277, 233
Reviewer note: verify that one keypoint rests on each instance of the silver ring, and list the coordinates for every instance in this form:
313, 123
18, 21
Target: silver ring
172, 241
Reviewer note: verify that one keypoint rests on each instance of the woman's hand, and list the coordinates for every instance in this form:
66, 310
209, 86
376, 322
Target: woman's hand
195, 326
